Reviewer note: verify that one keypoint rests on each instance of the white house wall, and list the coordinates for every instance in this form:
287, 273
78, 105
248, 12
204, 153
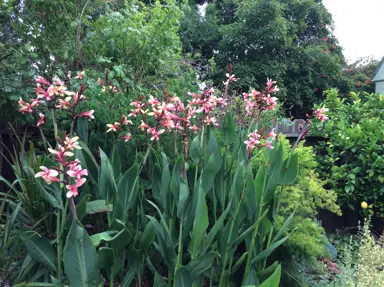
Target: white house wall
380, 87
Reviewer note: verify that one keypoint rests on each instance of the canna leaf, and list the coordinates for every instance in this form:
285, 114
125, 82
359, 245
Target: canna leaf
159, 281
200, 224
40, 249
289, 170
273, 280
201, 264
265, 253
97, 206
274, 171
107, 186
183, 277
156, 183
129, 277
183, 198
127, 191
195, 150
214, 149
147, 237
228, 129
80, 258
239, 263
115, 162
208, 174
105, 258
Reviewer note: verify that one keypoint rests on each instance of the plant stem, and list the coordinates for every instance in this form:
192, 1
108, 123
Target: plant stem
202, 137
73, 208
58, 244
221, 282
180, 248
254, 235
55, 124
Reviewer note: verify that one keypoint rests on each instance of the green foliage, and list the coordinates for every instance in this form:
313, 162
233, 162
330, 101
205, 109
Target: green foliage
290, 41
350, 158
305, 198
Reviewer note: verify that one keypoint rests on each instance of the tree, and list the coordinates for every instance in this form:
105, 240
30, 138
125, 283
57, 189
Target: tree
290, 41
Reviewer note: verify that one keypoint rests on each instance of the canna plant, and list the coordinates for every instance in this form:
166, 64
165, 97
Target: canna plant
200, 216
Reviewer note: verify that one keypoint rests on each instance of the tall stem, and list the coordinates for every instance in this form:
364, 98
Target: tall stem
73, 208
180, 248
254, 235
221, 282
59, 245
55, 123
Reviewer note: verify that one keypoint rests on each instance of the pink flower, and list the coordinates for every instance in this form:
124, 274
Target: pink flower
63, 104
143, 126
113, 127
26, 107
230, 79
78, 97
41, 120
268, 145
42, 80
41, 93
155, 133
127, 137
125, 121
272, 134
71, 144
320, 114
270, 88
253, 141
76, 171
210, 121
194, 128
88, 114
61, 154
72, 189
49, 175
80, 75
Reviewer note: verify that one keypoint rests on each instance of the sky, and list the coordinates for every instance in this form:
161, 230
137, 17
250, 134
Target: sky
359, 27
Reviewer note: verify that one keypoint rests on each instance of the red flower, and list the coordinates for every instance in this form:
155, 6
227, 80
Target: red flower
358, 84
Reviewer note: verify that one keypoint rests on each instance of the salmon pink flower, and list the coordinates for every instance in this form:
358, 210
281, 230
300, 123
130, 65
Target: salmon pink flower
61, 154
49, 175
71, 144
64, 104
78, 97
155, 133
320, 114
143, 126
41, 120
77, 172
88, 114
26, 107
194, 128
113, 127
80, 75
272, 134
72, 189
127, 137
42, 80
253, 141
268, 145
125, 121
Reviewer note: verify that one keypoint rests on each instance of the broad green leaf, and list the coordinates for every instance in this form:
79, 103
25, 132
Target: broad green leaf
147, 237
105, 258
201, 264
82, 128
273, 280
176, 176
156, 183
102, 236
52, 197
183, 278
107, 186
97, 206
252, 277
274, 171
159, 281
200, 223
115, 162
259, 183
195, 150
127, 191
289, 170
239, 263
88, 160
165, 193
250, 196
213, 148
217, 227
80, 258
40, 249
228, 129
166, 245
128, 277
267, 272
265, 253
183, 198
283, 228
208, 174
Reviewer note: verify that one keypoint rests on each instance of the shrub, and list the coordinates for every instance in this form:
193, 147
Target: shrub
351, 156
